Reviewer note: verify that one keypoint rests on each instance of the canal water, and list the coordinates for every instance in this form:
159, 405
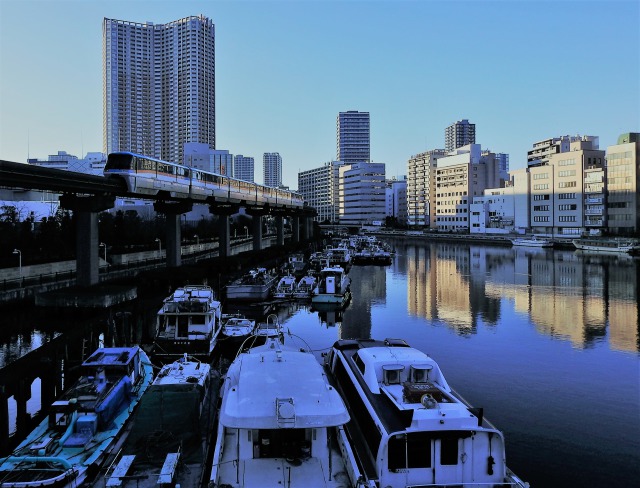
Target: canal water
546, 341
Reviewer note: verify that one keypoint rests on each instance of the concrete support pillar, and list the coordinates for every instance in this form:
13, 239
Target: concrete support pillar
224, 237
308, 228
256, 229
173, 245
22, 396
174, 240
279, 230
295, 229
85, 211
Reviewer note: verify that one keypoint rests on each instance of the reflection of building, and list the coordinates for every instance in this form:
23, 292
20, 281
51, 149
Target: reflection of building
356, 322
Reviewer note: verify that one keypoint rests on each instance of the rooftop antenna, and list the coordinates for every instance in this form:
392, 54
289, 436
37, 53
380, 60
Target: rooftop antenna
28, 144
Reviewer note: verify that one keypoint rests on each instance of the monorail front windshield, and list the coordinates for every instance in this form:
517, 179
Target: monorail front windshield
119, 161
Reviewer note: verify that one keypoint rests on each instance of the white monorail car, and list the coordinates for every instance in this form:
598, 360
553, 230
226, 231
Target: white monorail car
151, 176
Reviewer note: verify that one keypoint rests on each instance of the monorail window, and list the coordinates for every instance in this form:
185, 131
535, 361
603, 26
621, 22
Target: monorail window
119, 161
166, 169
143, 164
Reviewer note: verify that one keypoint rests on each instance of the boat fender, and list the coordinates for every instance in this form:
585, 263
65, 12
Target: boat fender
490, 460
191, 379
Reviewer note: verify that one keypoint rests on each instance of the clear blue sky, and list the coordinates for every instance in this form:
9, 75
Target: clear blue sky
522, 71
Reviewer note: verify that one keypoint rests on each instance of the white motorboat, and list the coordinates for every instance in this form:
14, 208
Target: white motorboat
189, 321
285, 287
263, 333
168, 441
533, 241
305, 287
333, 287
411, 429
83, 425
237, 327
281, 424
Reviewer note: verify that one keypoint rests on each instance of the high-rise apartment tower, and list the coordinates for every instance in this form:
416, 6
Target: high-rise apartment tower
243, 167
272, 169
353, 137
159, 86
458, 134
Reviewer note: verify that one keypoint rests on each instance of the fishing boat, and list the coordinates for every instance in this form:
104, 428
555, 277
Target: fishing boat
305, 287
333, 287
188, 321
533, 241
285, 287
281, 424
69, 446
411, 428
168, 442
253, 286
624, 246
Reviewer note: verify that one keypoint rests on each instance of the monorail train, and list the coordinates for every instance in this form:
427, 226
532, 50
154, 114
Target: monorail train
151, 176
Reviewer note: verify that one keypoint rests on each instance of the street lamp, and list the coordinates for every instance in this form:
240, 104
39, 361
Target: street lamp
102, 244
159, 244
17, 251
197, 239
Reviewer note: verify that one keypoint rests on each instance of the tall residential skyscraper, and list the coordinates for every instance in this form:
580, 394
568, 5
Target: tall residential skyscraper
272, 168
458, 134
159, 86
353, 137
243, 167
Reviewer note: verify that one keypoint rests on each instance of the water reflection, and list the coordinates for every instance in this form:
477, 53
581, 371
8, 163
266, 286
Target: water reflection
582, 298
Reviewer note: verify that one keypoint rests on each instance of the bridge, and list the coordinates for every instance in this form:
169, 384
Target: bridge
87, 195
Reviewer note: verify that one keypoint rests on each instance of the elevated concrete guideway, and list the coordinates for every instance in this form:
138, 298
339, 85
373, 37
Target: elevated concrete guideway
87, 195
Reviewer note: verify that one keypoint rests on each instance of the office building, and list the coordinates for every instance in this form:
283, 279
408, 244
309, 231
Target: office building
272, 169
243, 168
623, 184
542, 151
421, 188
201, 156
353, 137
92, 164
320, 189
362, 193
159, 86
458, 134
396, 200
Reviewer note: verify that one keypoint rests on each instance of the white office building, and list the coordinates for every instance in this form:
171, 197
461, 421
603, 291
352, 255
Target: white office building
396, 200
159, 86
272, 169
362, 196
320, 188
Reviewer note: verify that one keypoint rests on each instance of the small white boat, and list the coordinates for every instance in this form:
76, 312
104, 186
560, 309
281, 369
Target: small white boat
263, 332
412, 429
285, 287
237, 327
333, 287
305, 287
168, 441
281, 424
533, 241
83, 425
623, 246
189, 321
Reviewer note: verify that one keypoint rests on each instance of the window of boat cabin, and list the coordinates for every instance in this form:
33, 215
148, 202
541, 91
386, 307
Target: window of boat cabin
412, 450
448, 451
183, 326
359, 362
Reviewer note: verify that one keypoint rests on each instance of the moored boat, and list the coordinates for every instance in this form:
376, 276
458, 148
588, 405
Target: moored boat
285, 287
281, 424
305, 287
170, 435
254, 286
624, 246
411, 428
237, 327
264, 332
333, 287
189, 321
533, 241
69, 446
